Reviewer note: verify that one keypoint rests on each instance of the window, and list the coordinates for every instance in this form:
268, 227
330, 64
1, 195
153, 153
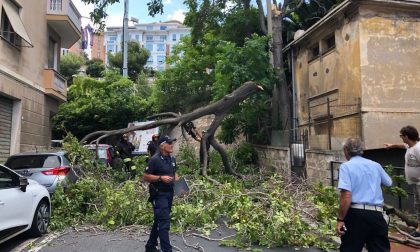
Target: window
33, 161
150, 60
149, 46
113, 38
56, 5
181, 36
314, 52
328, 43
52, 54
160, 47
163, 27
9, 13
173, 37
110, 46
162, 38
137, 37
160, 59
149, 28
12, 28
149, 38
7, 180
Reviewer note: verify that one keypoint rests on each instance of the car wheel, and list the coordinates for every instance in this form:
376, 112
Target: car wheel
41, 219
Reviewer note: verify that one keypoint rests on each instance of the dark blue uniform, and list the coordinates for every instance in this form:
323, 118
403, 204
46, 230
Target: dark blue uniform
161, 196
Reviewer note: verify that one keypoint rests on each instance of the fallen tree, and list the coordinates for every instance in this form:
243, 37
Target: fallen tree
219, 109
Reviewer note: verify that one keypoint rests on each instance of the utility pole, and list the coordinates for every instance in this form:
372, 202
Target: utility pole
125, 39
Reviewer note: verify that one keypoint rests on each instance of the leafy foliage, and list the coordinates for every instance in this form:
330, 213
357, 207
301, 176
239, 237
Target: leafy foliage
263, 210
250, 62
100, 105
70, 65
95, 68
211, 69
397, 182
305, 15
137, 58
244, 158
188, 83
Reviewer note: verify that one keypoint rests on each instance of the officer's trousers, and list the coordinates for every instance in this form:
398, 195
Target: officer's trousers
162, 204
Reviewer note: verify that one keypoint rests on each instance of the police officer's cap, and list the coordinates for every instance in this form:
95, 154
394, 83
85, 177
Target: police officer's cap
166, 139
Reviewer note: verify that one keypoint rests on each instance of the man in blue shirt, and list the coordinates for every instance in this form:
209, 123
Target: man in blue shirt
161, 174
360, 216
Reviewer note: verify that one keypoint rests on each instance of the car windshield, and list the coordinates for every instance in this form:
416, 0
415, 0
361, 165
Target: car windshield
33, 161
101, 153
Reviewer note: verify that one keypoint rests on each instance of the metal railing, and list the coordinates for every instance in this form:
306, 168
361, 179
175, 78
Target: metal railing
325, 111
64, 7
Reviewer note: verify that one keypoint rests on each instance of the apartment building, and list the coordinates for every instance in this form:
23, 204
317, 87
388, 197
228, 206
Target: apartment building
94, 47
159, 38
31, 88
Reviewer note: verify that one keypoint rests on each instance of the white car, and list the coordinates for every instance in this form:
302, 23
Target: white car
24, 205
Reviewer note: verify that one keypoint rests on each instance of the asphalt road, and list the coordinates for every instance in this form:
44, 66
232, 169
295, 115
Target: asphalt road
123, 240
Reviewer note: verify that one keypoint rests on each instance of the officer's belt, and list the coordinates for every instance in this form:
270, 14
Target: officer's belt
367, 207
171, 189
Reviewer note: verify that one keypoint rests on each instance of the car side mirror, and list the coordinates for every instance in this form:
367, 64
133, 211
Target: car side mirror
23, 183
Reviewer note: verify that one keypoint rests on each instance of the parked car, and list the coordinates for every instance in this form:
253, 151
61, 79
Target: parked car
24, 205
47, 168
106, 154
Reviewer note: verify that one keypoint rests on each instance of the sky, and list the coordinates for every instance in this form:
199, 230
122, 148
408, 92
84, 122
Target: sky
173, 10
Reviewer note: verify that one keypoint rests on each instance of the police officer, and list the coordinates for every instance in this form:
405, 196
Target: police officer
161, 174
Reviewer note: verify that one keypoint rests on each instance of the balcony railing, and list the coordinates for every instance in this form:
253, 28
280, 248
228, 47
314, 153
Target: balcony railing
64, 7
55, 85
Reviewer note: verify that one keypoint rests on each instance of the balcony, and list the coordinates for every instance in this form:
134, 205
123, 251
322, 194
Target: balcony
55, 85
64, 18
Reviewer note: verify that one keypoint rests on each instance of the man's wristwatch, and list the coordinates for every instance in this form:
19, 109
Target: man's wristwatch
160, 178
341, 220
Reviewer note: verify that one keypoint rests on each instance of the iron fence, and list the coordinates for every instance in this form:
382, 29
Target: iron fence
331, 116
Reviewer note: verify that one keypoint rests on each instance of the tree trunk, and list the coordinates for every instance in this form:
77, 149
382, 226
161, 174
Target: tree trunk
280, 101
261, 17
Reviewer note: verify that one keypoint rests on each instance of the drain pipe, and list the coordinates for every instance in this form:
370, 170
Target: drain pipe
294, 119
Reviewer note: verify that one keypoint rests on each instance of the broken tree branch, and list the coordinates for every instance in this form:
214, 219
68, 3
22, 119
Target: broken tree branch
220, 109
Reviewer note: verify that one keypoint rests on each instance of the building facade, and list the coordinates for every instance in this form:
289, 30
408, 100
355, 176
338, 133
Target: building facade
356, 74
31, 88
95, 48
158, 38
363, 58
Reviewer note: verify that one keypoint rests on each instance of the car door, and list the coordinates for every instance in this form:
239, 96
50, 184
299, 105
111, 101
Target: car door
15, 205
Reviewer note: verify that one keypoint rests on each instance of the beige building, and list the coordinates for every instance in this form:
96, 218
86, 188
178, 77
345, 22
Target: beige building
356, 72
31, 88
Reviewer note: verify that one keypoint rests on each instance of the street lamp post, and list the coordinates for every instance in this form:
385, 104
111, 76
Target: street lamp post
125, 39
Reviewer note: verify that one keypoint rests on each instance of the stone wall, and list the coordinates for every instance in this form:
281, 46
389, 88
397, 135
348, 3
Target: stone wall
201, 124
274, 159
318, 165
